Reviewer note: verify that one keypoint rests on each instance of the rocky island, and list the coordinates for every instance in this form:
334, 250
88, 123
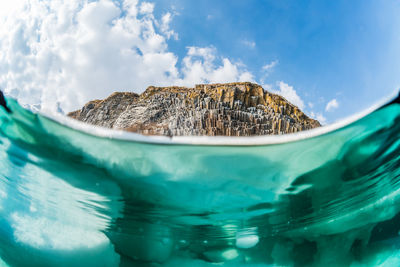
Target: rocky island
230, 109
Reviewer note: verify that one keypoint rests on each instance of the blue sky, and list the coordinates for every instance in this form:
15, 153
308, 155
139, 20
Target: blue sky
344, 50
331, 58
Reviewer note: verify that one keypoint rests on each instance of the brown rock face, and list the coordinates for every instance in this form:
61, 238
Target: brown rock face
231, 109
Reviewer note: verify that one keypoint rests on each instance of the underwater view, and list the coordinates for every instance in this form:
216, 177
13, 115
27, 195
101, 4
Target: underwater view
176, 133
77, 195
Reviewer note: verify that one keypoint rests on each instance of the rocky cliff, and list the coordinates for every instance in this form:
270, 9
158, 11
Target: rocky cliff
232, 109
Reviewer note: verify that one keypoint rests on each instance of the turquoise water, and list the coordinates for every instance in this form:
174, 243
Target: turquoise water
93, 197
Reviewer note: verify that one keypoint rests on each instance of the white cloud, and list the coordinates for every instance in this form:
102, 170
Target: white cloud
319, 117
246, 76
290, 94
310, 105
146, 8
165, 28
199, 66
10, 7
268, 87
250, 44
74, 51
333, 104
268, 67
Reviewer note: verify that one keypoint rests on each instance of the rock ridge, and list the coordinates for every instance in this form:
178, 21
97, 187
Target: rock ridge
222, 109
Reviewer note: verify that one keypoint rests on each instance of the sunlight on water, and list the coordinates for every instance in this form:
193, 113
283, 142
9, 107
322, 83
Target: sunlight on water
68, 198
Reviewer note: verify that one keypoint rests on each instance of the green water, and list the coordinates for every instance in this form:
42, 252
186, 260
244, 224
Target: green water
79, 198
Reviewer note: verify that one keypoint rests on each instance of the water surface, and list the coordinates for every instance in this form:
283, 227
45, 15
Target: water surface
74, 195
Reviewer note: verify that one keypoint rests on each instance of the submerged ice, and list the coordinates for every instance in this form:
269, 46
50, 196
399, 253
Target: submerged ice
73, 198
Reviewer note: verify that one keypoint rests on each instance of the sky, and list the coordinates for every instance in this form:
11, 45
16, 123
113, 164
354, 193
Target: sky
330, 58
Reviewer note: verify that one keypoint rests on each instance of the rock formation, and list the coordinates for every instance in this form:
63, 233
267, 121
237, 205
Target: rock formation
232, 109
